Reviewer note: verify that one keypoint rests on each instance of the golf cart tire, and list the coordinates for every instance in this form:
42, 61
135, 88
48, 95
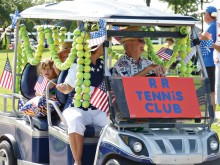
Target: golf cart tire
6, 151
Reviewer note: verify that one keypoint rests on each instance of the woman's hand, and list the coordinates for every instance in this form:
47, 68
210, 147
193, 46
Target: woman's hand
64, 88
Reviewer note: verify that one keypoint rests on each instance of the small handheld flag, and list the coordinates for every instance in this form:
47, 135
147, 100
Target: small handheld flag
99, 98
41, 84
6, 80
165, 53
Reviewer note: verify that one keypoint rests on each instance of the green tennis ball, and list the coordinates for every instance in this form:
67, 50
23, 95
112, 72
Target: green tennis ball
86, 96
76, 32
80, 53
78, 89
87, 83
80, 60
87, 61
63, 30
79, 75
78, 96
77, 103
87, 76
80, 68
87, 54
86, 89
79, 40
87, 68
79, 47
85, 104
79, 82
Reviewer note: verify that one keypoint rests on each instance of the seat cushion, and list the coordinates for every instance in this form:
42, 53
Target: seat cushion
28, 81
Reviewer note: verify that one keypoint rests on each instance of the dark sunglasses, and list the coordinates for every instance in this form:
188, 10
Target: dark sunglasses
141, 40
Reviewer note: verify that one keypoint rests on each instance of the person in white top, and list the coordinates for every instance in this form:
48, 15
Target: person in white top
216, 58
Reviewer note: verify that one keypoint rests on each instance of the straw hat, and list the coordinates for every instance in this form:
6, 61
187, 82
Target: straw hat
130, 28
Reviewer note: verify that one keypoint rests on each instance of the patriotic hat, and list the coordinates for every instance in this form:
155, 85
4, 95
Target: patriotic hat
130, 28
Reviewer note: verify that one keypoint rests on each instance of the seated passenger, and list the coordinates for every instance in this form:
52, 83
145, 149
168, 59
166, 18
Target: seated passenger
131, 63
37, 105
64, 51
78, 118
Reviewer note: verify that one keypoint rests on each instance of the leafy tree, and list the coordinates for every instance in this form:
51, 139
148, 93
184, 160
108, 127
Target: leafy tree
9, 6
189, 7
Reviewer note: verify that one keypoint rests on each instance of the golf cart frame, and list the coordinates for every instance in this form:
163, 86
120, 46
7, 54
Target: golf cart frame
30, 140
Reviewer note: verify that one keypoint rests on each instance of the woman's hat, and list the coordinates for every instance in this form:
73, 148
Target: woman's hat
130, 28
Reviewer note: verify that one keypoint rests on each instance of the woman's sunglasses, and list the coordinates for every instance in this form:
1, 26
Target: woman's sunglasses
141, 40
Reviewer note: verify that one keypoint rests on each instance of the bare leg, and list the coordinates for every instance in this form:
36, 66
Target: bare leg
76, 145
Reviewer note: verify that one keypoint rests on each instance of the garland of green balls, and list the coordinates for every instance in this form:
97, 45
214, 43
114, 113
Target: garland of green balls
181, 47
80, 45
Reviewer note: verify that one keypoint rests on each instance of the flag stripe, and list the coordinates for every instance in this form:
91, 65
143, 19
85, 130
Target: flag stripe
41, 85
99, 98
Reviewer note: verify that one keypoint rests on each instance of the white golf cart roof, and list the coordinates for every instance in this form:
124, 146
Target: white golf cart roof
113, 11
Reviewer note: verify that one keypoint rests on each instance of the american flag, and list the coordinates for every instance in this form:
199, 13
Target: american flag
41, 84
98, 37
200, 92
6, 78
165, 53
99, 98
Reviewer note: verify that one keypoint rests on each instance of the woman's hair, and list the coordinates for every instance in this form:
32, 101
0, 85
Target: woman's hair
44, 63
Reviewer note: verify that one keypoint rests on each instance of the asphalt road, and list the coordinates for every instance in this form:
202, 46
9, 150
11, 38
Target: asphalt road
216, 162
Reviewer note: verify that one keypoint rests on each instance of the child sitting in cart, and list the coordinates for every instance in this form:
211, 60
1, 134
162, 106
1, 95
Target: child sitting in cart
37, 105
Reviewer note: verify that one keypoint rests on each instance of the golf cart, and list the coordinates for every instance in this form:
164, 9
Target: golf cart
152, 120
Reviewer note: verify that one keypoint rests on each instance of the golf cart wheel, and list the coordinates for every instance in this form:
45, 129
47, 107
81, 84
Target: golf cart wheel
113, 162
7, 156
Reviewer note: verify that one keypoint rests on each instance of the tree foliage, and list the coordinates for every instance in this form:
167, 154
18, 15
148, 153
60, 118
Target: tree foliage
189, 7
9, 6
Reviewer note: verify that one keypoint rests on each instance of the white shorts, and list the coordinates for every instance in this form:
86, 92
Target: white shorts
77, 119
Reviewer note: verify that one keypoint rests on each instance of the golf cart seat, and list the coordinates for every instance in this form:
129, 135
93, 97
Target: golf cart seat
28, 80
